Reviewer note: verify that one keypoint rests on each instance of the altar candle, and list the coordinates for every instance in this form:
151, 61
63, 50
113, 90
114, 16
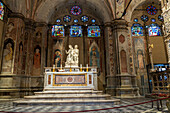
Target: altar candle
61, 67
70, 69
87, 68
53, 68
81, 67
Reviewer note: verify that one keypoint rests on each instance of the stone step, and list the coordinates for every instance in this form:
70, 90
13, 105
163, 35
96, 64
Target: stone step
68, 97
67, 102
55, 93
68, 89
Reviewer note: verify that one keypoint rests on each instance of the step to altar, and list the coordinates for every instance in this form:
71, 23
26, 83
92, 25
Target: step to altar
67, 96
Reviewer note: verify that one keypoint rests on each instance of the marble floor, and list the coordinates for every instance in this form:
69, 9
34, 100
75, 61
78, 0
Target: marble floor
143, 108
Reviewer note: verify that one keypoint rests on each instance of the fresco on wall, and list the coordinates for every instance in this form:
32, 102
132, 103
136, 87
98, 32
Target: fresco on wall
8, 55
139, 48
140, 59
94, 55
123, 61
37, 60
57, 48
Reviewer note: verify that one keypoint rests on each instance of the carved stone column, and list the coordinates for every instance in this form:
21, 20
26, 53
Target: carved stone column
125, 81
166, 26
110, 59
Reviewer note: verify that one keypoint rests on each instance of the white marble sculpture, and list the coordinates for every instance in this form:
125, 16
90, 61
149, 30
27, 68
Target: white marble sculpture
72, 57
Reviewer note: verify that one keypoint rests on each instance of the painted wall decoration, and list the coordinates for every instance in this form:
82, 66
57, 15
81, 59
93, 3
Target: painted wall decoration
154, 30
37, 60
8, 52
94, 55
140, 59
123, 61
57, 48
57, 58
122, 38
139, 48
119, 8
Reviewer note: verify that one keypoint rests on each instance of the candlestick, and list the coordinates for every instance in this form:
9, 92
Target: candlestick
80, 67
53, 68
70, 69
87, 68
61, 67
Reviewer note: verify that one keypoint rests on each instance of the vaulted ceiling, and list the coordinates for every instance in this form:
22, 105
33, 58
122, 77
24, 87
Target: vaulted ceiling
44, 10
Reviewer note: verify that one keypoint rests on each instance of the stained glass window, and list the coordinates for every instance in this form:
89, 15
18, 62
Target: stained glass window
154, 30
93, 31
153, 20
58, 20
135, 20
76, 31
67, 18
93, 20
84, 19
1, 11
75, 20
137, 30
151, 10
76, 10
144, 18
57, 31
160, 18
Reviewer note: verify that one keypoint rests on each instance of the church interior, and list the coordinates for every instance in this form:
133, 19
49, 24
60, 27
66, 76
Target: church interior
62, 52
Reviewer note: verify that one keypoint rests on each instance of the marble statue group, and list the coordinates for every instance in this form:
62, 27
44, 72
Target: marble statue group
72, 57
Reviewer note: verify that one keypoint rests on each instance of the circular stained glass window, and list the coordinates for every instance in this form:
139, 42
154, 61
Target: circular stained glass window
93, 20
75, 20
58, 20
84, 19
153, 20
135, 20
151, 10
67, 18
160, 18
144, 18
76, 10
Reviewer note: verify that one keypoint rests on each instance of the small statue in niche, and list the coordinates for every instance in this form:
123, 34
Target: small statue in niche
38, 35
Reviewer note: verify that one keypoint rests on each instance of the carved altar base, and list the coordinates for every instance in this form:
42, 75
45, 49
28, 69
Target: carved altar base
72, 87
